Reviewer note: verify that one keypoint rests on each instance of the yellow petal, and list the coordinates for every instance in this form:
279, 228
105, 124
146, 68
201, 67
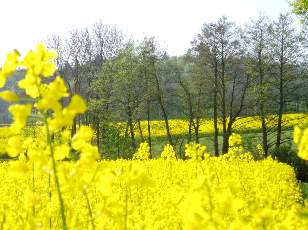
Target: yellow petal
8, 96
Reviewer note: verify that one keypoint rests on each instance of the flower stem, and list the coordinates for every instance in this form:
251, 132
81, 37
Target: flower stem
89, 209
49, 142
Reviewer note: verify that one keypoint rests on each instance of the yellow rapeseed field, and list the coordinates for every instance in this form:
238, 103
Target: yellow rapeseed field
216, 193
242, 124
42, 189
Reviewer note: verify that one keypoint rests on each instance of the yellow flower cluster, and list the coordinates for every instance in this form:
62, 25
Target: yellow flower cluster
39, 64
260, 149
4, 135
9, 67
231, 199
195, 151
42, 92
143, 152
168, 153
235, 140
235, 145
156, 194
301, 139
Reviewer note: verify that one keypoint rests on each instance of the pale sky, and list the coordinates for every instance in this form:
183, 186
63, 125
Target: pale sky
174, 23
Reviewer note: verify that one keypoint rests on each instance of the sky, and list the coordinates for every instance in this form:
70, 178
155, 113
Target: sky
174, 23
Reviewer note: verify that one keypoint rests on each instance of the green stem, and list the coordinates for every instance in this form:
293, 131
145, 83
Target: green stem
33, 189
49, 142
49, 197
89, 209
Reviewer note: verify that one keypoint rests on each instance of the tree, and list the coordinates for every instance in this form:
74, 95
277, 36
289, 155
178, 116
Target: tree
193, 90
285, 53
300, 7
152, 58
220, 46
129, 85
107, 40
206, 48
258, 44
58, 44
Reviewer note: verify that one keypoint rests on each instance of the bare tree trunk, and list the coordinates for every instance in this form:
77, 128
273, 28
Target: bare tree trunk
261, 100
189, 130
228, 134
191, 117
264, 136
131, 127
233, 116
281, 95
197, 117
149, 126
225, 144
196, 127
166, 123
216, 131
140, 130
280, 112
161, 103
76, 90
190, 110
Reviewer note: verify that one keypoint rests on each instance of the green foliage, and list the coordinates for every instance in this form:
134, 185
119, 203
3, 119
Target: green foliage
305, 190
300, 7
114, 144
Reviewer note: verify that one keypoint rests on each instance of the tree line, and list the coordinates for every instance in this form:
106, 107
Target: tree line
228, 72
